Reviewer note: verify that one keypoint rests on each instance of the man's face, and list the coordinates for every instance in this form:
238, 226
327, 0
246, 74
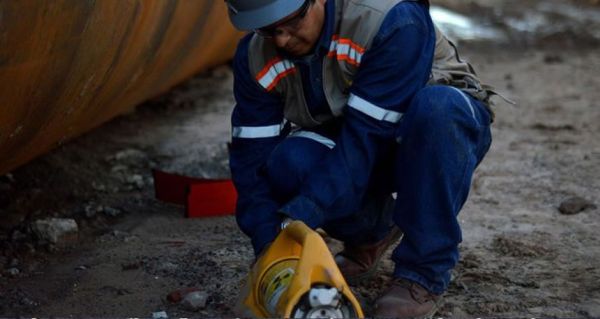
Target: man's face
299, 32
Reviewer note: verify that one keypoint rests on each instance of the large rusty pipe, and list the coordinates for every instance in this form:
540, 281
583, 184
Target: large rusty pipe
67, 66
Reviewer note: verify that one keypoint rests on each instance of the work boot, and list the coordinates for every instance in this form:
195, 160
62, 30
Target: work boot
359, 263
406, 299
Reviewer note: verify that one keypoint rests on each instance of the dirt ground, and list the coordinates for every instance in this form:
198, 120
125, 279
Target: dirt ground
521, 256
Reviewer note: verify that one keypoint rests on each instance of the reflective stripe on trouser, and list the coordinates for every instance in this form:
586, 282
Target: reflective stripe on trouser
443, 138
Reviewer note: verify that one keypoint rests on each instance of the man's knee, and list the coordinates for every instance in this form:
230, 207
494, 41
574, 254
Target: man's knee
291, 161
439, 105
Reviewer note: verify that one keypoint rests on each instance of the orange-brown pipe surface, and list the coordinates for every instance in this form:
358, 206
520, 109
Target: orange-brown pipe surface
67, 66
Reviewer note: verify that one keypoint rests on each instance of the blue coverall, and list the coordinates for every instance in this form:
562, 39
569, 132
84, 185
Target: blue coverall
337, 176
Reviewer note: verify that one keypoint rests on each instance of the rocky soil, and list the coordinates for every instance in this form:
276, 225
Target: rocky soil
530, 225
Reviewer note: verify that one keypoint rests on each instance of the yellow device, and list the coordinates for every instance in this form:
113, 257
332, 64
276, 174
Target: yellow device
297, 277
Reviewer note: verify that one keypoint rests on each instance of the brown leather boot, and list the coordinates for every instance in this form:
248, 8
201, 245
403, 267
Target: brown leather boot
359, 263
407, 299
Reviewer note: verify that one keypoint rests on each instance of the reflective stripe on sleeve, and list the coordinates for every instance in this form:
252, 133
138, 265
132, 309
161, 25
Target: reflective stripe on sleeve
345, 50
315, 137
274, 71
373, 110
257, 131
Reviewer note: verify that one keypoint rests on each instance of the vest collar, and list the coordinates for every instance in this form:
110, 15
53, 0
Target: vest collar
329, 24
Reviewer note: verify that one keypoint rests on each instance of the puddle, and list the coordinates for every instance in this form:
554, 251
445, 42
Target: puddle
459, 27
526, 22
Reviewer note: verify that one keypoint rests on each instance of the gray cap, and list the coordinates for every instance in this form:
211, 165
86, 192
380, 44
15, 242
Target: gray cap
254, 14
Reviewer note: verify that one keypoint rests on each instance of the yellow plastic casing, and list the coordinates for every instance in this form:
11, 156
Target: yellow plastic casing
296, 244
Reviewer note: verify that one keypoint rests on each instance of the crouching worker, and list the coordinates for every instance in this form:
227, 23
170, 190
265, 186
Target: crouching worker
339, 105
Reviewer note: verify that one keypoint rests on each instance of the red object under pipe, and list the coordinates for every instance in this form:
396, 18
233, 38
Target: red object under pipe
202, 197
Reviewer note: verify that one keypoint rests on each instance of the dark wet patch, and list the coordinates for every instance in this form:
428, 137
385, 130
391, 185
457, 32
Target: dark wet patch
115, 291
551, 127
516, 248
553, 59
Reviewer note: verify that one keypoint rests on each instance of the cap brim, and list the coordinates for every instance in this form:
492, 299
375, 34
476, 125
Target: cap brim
256, 19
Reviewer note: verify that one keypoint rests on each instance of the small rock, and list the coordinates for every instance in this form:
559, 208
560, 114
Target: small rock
56, 230
109, 211
136, 180
90, 210
553, 59
131, 266
160, 315
195, 301
178, 295
13, 272
575, 205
